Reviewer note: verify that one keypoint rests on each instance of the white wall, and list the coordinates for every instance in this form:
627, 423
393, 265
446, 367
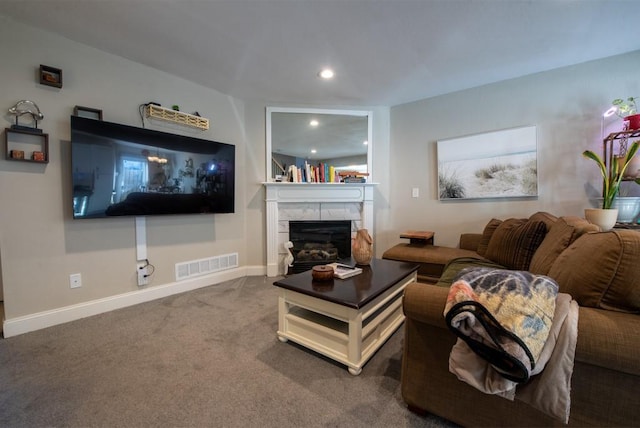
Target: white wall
566, 106
40, 244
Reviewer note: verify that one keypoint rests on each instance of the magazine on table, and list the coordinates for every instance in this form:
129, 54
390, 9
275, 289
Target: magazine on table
342, 271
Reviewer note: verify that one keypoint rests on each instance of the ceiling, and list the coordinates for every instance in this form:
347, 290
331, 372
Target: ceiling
384, 52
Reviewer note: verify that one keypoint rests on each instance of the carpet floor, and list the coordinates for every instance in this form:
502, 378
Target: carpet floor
206, 358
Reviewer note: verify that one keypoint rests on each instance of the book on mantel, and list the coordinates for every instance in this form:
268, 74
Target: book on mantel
343, 271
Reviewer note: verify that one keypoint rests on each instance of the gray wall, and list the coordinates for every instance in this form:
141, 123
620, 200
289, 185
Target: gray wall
40, 244
566, 106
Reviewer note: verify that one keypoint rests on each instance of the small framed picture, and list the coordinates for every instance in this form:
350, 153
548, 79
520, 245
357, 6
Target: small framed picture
91, 113
50, 76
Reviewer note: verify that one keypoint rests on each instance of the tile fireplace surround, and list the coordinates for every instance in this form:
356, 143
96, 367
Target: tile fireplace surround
312, 201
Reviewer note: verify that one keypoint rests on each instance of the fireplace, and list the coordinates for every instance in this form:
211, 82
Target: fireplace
287, 202
319, 242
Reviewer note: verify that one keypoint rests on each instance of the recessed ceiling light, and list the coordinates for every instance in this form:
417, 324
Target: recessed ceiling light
365, 142
314, 151
313, 122
326, 73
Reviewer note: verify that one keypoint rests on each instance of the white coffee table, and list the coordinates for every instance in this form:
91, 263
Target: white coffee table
347, 320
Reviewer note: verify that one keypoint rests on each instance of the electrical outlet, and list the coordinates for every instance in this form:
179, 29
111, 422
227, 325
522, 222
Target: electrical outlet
415, 192
143, 278
143, 273
75, 280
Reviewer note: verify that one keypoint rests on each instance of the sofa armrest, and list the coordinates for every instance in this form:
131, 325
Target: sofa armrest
470, 241
609, 339
606, 339
425, 303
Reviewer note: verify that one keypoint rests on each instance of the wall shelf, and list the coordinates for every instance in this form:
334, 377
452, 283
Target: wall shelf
168, 115
26, 145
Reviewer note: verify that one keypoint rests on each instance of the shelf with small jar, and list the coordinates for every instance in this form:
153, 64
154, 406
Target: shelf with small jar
26, 145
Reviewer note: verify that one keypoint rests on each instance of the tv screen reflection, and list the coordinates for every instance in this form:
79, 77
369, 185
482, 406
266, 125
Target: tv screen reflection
116, 172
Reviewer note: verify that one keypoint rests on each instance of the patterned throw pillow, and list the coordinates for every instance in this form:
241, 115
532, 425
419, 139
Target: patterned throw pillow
515, 241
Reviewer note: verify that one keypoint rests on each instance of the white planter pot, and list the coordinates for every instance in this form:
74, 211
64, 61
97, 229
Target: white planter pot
606, 219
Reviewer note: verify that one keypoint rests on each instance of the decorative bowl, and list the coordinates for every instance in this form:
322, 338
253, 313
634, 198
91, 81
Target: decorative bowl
628, 208
322, 273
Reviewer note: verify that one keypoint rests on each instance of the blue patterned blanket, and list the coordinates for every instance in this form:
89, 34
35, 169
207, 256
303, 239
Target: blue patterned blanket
503, 316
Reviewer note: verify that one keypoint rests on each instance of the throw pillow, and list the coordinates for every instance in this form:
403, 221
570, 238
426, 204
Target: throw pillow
580, 225
515, 241
556, 240
487, 233
547, 218
601, 270
560, 235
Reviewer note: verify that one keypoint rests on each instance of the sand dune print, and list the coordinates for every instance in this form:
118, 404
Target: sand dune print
500, 164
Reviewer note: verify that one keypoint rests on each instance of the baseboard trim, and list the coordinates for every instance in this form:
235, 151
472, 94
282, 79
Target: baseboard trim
40, 320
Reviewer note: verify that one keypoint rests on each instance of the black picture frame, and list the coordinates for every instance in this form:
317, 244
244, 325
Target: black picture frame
50, 76
88, 112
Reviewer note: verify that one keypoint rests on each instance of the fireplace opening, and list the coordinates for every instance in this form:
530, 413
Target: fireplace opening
319, 242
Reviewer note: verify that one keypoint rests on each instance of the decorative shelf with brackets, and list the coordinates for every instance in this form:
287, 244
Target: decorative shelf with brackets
173, 116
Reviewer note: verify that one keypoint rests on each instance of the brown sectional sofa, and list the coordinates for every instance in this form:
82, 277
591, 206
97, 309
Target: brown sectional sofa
602, 273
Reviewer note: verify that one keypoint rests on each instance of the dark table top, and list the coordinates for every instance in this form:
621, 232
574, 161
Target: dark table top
356, 291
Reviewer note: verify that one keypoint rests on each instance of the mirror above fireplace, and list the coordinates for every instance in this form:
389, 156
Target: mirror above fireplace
341, 138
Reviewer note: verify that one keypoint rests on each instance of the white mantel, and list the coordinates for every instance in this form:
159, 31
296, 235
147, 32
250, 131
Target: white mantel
295, 193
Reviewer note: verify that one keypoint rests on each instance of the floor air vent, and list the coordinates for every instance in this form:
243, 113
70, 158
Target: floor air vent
200, 267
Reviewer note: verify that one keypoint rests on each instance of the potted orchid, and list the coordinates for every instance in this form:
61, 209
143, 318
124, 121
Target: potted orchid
612, 175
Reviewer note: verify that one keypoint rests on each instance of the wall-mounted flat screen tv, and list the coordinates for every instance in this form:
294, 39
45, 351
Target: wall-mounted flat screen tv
120, 170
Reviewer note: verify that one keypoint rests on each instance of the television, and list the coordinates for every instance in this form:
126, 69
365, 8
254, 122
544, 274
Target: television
121, 170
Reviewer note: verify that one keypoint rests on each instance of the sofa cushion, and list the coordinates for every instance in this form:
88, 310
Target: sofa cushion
580, 225
453, 268
469, 241
601, 270
562, 233
515, 241
487, 233
545, 217
432, 258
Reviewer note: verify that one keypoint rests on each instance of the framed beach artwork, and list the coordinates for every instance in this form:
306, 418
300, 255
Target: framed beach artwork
499, 164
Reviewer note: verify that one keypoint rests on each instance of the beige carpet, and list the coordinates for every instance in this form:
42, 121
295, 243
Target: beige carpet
207, 358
